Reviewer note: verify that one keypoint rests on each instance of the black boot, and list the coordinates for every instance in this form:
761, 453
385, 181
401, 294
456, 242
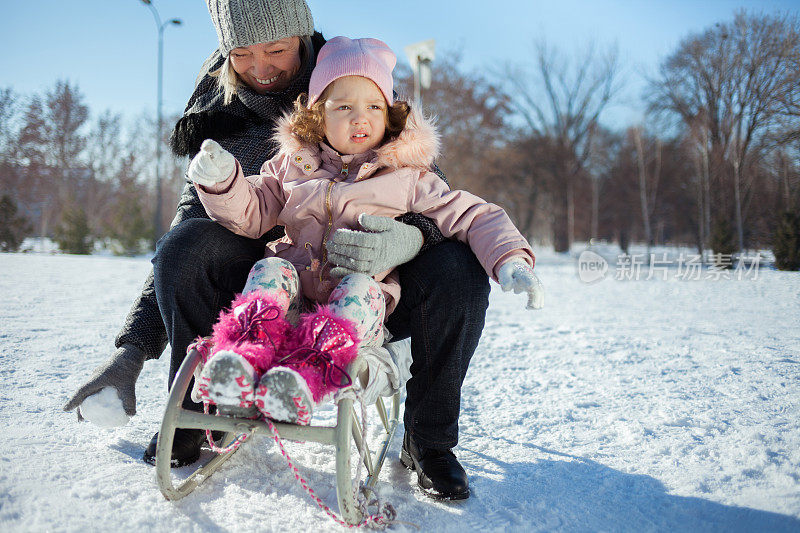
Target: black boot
439, 474
185, 447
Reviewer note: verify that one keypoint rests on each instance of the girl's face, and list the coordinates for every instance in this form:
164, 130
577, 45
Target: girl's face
266, 67
355, 115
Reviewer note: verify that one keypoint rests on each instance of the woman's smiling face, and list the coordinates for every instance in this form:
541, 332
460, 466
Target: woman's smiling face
268, 67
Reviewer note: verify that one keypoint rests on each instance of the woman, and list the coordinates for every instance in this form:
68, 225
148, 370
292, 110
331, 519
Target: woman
266, 54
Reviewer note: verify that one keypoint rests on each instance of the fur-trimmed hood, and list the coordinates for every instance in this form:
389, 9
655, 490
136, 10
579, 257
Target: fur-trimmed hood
417, 146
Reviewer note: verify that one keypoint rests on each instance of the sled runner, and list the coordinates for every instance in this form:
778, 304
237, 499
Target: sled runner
348, 430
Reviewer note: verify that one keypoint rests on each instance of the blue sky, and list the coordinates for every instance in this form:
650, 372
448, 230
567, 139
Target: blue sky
108, 47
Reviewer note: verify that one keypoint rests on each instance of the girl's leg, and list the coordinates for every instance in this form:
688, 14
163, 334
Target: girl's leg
326, 342
279, 279
256, 320
249, 337
359, 299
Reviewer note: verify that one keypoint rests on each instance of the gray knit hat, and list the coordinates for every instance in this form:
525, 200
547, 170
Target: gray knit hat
244, 22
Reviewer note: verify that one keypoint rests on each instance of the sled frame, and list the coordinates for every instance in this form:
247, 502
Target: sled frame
348, 430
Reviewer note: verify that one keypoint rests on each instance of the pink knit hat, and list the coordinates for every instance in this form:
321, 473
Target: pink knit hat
341, 57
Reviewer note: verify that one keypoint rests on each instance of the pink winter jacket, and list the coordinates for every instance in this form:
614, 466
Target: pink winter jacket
312, 191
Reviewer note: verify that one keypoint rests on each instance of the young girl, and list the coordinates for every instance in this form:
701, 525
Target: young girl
349, 151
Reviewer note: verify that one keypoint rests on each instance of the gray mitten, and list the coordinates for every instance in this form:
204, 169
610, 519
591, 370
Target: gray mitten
385, 244
120, 371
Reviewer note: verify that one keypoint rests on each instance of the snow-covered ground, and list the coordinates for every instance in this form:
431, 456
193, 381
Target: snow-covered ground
625, 405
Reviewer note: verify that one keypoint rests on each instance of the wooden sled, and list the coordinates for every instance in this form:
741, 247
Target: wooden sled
347, 430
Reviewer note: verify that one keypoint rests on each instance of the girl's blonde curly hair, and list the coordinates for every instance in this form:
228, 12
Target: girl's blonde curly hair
309, 124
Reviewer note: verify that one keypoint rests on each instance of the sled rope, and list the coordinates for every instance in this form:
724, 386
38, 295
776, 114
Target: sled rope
386, 513
230, 447
376, 521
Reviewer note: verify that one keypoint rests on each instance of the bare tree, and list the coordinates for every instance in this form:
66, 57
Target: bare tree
727, 84
696, 141
128, 224
602, 158
470, 115
648, 187
173, 169
8, 115
764, 48
785, 168
9, 175
563, 99
66, 115
31, 142
104, 145
519, 177
34, 191
104, 151
788, 100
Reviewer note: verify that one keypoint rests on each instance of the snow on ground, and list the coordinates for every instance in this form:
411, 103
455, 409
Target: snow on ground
655, 405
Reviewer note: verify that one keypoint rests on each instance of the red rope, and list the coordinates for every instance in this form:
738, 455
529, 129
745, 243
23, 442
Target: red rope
230, 447
373, 520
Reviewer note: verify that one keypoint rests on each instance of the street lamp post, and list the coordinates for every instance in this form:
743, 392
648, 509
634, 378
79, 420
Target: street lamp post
157, 230
420, 56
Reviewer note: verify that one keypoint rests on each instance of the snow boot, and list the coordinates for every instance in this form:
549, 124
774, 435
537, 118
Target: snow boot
186, 447
255, 328
228, 381
316, 366
247, 340
439, 474
283, 395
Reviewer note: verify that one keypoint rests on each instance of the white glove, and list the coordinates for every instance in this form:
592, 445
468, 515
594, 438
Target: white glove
212, 164
516, 274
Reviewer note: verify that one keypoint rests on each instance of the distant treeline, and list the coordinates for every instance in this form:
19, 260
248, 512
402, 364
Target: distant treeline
80, 180
715, 164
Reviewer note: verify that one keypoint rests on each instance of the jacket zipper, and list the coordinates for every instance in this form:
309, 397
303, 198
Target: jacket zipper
342, 172
328, 228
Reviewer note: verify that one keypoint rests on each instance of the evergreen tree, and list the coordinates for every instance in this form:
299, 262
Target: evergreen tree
73, 235
723, 243
130, 225
13, 227
786, 245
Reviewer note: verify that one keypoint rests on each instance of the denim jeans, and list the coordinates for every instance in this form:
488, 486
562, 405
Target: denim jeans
442, 307
199, 266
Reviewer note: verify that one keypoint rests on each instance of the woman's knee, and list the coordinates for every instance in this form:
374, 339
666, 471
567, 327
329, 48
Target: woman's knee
449, 269
201, 252
188, 239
